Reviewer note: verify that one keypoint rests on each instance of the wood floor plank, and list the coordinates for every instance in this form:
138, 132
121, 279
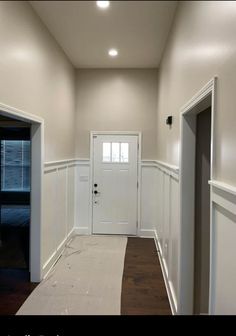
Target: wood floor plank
143, 287
15, 287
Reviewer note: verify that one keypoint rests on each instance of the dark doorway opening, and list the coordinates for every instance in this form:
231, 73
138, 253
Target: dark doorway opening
15, 162
202, 213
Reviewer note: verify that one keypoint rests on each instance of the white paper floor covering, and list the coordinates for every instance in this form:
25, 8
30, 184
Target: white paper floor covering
86, 280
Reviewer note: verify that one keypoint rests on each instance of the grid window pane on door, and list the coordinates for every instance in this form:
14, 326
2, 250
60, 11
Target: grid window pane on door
106, 152
124, 152
115, 152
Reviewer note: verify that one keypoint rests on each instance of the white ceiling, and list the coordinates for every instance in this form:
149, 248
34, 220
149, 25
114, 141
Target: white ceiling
138, 29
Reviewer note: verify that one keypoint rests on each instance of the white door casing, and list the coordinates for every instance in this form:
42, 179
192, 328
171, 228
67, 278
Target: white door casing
37, 159
115, 184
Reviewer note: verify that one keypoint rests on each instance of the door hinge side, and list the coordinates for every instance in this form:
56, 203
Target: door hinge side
137, 185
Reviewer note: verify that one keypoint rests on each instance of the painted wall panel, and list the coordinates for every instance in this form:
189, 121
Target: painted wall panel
61, 206
201, 45
71, 198
82, 198
174, 235
58, 211
36, 76
166, 219
160, 207
49, 215
224, 261
167, 226
116, 100
148, 198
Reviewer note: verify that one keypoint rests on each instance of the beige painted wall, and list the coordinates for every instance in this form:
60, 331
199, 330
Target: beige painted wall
116, 100
201, 45
36, 76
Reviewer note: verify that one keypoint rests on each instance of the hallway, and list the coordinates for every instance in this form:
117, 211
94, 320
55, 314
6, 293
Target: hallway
127, 116
74, 287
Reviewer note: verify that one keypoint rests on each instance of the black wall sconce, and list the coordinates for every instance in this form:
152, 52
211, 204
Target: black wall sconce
169, 120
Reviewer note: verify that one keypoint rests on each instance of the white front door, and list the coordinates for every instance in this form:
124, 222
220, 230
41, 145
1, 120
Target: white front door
115, 183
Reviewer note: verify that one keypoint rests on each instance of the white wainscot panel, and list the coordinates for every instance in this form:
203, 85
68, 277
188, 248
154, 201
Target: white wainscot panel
224, 256
82, 199
49, 215
166, 221
167, 226
71, 198
148, 201
173, 262
58, 210
160, 208
61, 205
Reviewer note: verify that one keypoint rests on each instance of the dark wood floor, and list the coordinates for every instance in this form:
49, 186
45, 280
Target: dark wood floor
143, 288
15, 287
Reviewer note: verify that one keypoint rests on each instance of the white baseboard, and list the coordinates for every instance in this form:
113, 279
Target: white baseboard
56, 255
82, 230
146, 233
168, 285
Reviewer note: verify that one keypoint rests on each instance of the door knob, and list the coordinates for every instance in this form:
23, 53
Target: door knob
95, 192
95, 185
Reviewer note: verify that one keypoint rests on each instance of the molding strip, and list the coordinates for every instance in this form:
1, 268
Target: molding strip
146, 233
82, 162
59, 162
56, 254
171, 170
223, 186
168, 285
199, 96
67, 163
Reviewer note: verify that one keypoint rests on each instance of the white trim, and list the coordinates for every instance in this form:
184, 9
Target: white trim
224, 203
91, 185
19, 114
139, 194
76, 161
83, 162
59, 162
37, 155
223, 186
223, 198
148, 163
48, 265
173, 168
82, 230
132, 133
144, 233
168, 169
207, 95
169, 289
115, 132
199, 96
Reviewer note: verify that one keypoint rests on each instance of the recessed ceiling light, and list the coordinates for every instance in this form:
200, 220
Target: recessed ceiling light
103, 4
113, 52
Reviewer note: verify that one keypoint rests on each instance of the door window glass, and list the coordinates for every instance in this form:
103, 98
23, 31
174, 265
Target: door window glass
124, 152
116, 152
106, 152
